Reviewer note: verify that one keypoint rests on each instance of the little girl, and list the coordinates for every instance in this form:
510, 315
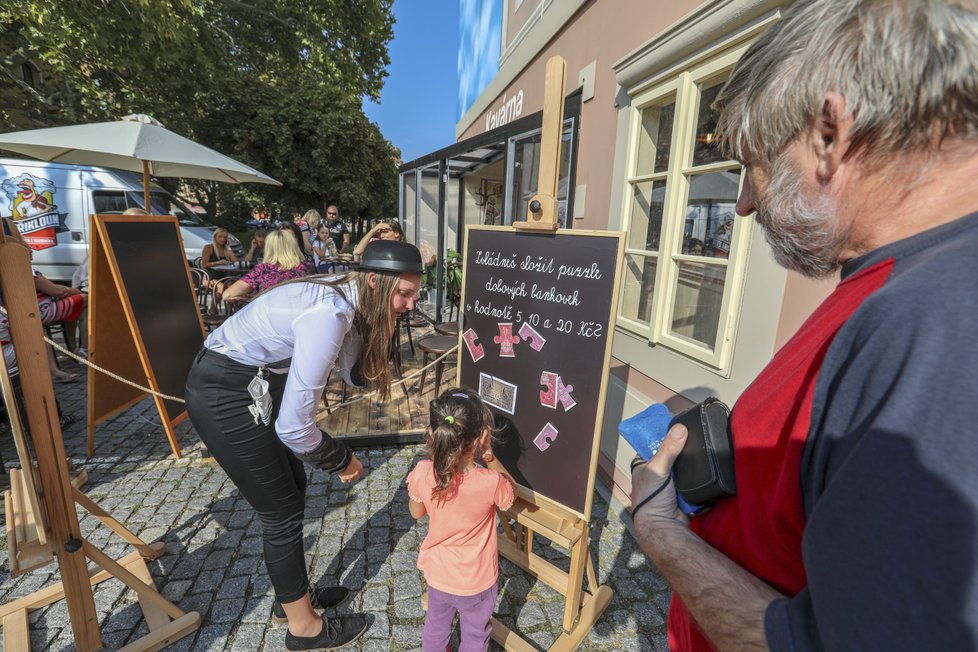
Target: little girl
323, 248
459, 556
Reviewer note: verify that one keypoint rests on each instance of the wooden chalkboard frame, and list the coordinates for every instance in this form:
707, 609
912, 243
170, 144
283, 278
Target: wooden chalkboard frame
113, 324
533, 496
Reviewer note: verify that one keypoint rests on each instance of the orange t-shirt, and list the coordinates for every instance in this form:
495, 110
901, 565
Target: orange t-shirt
460, 554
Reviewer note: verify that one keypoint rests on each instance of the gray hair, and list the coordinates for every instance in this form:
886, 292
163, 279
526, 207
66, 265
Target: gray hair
908, 70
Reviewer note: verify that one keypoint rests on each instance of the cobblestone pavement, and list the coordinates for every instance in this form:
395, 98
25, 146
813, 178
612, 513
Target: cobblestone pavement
361, 536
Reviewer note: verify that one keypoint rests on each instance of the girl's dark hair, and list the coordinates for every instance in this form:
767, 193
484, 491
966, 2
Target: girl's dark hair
457, 419
396, 228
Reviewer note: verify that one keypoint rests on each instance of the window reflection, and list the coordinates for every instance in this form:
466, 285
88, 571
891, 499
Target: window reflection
706, 147
655, 138
645, 229
527, 169
637, 287
699, 294
710, 214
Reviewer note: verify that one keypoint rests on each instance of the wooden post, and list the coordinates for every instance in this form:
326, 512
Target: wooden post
146, 206
542, 207
26, 333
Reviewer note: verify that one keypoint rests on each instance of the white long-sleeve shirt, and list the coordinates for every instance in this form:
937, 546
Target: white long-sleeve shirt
301, 327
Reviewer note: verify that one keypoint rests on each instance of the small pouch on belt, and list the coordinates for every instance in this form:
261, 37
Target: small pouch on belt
261, 409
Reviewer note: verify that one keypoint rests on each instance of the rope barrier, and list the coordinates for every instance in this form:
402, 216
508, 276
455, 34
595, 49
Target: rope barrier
167, 397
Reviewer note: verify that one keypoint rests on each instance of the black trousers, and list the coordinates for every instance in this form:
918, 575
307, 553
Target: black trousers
269, 476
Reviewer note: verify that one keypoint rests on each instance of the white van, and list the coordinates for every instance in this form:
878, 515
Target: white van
51, 202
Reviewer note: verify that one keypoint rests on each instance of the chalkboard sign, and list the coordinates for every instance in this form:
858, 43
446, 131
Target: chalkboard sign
535, 344
139, 268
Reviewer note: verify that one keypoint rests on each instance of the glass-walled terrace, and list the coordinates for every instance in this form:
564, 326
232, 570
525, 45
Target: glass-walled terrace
486, 179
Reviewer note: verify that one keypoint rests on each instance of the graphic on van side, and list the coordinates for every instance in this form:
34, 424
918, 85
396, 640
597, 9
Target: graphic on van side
33, 210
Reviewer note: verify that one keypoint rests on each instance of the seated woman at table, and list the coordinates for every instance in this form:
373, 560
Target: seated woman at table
283, 261
323, 249
218, 252
380, 231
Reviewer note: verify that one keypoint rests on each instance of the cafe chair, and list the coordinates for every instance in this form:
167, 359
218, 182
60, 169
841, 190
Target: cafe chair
201, 284
219, 310
407, 322
434, 347
447, 328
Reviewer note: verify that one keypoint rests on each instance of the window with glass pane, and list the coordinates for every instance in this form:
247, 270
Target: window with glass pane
527, 169
645, 226
109, 201
410, 205
710, 214
638, 285
680, 219
655, 136
696, 308
706, 145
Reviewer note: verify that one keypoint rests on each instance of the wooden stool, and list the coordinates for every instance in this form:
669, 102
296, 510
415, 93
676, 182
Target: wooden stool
435, 346
447, 328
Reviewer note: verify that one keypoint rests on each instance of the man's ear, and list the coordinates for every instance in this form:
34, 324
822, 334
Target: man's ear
831, 136
372, 280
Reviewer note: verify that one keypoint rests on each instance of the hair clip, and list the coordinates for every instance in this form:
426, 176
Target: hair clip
460, 395
450, 420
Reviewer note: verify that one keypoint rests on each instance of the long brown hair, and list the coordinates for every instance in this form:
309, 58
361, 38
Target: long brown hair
457, 419
373, 320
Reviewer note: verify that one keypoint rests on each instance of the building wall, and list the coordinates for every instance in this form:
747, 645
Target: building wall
599, 39
595, 34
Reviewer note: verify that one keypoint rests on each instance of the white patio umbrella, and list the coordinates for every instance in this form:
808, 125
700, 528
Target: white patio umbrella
137, 143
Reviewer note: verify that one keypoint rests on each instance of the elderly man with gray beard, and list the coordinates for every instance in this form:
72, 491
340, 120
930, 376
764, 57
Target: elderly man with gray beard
855, 524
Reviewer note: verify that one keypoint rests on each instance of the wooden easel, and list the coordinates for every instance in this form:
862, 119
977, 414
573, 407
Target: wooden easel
121, 339
41, 514
533, 515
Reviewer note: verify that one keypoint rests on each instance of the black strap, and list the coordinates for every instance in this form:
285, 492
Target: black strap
655, 493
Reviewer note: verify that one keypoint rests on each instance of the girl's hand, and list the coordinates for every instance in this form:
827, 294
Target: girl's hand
352, 472
487, 455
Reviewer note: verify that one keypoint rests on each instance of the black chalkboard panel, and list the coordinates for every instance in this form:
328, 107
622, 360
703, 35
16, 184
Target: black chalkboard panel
535, 342
153, 269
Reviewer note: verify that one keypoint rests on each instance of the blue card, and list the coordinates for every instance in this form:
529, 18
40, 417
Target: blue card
645, 432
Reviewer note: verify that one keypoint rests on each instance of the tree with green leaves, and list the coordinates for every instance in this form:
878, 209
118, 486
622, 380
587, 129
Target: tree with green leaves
276, 84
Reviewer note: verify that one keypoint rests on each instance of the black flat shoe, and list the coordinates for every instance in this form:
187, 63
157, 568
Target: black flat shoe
338, 632
321, 597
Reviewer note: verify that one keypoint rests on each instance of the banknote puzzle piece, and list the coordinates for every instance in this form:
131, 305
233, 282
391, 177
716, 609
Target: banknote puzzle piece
548, 396
546, 437
506, 340
564, 394
470, 337
529, 334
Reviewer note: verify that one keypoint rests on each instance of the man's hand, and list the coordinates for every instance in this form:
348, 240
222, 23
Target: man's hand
649, 477
352, 472
725, 601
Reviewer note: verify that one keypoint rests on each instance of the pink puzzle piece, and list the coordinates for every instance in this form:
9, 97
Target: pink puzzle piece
548, 397
564, 394
546, 437
506, 340
529, 334
475, 349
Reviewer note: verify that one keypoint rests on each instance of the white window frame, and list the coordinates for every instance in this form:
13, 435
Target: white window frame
685, 88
